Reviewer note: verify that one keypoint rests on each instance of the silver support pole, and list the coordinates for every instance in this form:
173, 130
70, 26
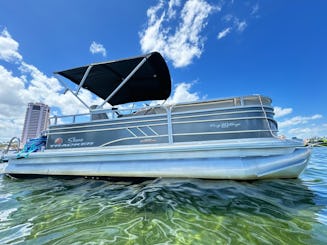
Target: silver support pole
124, 81
68, 89
242, 101
84, 78
170, 126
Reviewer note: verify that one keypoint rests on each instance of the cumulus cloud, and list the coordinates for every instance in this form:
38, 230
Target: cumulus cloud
30, 85
182, 94
9, 48
280, 112
98, 48
33, 86
180, 44
299, 126
11, 98
308, 132
298, 120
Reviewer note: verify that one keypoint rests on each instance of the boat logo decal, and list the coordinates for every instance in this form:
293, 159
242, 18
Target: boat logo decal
58, 141
225, 125
75, 140
71, 142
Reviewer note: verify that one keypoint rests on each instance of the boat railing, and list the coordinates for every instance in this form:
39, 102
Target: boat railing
114, 113
104, 114
213, 119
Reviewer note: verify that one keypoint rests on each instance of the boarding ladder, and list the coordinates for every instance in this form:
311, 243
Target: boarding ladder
4, 153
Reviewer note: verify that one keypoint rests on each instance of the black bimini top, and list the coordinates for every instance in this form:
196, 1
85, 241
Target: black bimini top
150, 82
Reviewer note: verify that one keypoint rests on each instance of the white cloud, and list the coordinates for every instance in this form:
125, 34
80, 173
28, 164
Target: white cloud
175, 28
227, 17
11, 105
9, 48
98, 48
10, 128
224, 33
298, 120
240, 25
280, 112
31, 85
171, 7
234, 24
9, 87
300, 126
255, 9
182, 94
309, 132
183, 43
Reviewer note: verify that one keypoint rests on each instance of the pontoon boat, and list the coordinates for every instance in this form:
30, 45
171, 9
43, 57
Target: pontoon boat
230, 138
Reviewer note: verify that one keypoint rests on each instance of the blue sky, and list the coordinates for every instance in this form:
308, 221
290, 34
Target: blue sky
213, 49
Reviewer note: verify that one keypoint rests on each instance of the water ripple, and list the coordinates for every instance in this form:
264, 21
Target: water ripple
166, 211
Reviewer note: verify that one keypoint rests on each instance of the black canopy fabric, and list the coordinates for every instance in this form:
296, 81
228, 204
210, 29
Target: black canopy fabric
150, 82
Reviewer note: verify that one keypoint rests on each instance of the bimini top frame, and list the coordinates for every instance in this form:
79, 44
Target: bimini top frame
123, 81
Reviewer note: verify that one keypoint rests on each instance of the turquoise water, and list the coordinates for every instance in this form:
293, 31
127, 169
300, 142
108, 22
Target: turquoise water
166, 211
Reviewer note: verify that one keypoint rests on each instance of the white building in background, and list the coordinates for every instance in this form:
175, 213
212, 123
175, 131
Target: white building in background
36, 121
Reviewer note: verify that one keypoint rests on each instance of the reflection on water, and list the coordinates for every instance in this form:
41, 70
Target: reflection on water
172, 211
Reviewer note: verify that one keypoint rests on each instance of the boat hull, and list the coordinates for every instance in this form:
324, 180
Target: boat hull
243, 159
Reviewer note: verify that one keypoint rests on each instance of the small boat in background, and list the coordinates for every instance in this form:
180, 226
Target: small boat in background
229, 138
